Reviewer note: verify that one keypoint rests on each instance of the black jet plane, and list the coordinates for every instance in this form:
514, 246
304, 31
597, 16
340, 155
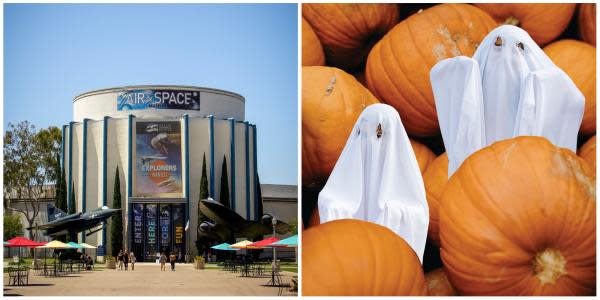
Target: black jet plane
59, 223
226, 223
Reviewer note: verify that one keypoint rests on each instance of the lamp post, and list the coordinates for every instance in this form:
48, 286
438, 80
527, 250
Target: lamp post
274, 222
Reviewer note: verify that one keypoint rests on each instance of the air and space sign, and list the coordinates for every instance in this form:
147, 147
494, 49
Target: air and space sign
159, 99
158, 159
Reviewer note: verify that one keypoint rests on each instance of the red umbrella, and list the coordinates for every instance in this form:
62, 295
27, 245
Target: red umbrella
263, 243
22, 242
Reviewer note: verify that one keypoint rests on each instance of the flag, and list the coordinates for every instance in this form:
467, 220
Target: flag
187, 225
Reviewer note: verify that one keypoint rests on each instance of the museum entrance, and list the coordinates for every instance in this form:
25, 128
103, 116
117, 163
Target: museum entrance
156, 228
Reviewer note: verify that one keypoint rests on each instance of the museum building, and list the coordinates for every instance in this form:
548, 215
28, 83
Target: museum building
155, 138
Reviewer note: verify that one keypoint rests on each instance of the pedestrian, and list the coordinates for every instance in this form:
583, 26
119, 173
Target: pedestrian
120, 260
163, 261
172, 259
126, 259
157, 258
132, 259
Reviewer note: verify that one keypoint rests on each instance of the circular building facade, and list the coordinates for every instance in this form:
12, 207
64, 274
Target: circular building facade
155, 142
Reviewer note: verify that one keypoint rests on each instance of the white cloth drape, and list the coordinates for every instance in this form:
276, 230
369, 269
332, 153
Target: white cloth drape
377, 179
509, 88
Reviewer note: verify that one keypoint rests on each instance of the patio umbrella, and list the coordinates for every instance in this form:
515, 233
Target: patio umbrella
263, 243
75, 245
19, 242
241, 245
6, 243
56, 245
291, 241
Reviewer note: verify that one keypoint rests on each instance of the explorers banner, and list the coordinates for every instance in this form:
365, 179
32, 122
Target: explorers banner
158, 159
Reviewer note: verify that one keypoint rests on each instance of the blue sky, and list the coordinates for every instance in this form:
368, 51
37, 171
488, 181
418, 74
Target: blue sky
53, 52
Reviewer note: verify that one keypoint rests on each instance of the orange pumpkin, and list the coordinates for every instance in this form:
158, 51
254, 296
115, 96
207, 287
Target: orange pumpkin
578, 60
423, 154
438, 284
587, 22
312, 51
588, 152
358, 258
315, 219
398, 66
519, 218
332, 100
348, 31
435, 180
543, 21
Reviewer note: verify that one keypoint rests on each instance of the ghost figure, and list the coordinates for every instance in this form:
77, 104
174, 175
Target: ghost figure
509, 88
377, 179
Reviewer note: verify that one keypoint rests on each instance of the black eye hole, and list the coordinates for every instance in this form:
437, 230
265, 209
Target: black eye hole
379, 131
498, 41
521, 46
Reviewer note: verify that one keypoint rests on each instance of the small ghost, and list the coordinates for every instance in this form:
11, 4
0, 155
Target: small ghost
509, 88
377, 179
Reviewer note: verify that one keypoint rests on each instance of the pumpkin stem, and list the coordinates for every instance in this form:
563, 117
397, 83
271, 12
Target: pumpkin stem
549, 265
512, 21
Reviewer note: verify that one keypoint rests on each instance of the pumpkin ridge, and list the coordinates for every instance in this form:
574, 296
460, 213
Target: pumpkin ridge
336, 37
373, 281
352, 23
466, 36
404, 74
548, 266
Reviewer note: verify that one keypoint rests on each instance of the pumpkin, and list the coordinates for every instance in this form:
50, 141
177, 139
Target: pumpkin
519, 218
358, 258
435, 179
588, 152
315, 219
348, 31
543, 21
312, 51
423, 154
438, 284
578, 60
398, 67
332, 100
587, 22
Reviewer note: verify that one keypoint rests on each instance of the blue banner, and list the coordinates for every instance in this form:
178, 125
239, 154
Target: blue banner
159, 99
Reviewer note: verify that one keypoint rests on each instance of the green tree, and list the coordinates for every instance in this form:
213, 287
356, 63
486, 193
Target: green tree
29, 165
60, 196
259, 210
200, 244
224, 195
12, 226
116, 223
72, 202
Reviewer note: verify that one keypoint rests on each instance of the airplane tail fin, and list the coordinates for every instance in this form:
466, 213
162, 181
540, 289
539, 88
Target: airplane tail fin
54, 213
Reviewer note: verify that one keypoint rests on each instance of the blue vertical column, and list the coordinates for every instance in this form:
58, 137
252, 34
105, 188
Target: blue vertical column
186, 124
70, 176
84, 172
247, 160
211, 125
129, 179
256, 216
232, 161
62, 150
104, 167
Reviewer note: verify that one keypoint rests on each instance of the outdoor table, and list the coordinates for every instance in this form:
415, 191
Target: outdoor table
18, 276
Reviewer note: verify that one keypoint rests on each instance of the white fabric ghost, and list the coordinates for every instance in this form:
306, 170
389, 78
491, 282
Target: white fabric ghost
377, 179
509, 88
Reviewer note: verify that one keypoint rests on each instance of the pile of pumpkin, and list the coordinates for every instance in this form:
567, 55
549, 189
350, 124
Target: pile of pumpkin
517, 218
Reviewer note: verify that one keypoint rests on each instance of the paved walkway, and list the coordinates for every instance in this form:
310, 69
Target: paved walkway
147, 280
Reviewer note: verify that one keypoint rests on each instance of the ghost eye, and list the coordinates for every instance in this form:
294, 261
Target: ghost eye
498, 41
521, 46
379, 131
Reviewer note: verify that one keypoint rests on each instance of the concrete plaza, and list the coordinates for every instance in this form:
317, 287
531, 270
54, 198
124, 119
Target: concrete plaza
148, 280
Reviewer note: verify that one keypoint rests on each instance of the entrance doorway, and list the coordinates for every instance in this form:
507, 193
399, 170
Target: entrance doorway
156, 228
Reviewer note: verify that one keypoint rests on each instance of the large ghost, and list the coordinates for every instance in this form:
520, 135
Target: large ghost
509, 88
377, 179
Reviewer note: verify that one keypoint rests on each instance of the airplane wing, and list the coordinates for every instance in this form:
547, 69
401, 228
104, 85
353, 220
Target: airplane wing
220, 213
58, 222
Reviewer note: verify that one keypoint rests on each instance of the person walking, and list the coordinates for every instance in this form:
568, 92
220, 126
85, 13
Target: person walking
172, 259
132, 259
120, 260
158, 257
163, 261
126, 259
